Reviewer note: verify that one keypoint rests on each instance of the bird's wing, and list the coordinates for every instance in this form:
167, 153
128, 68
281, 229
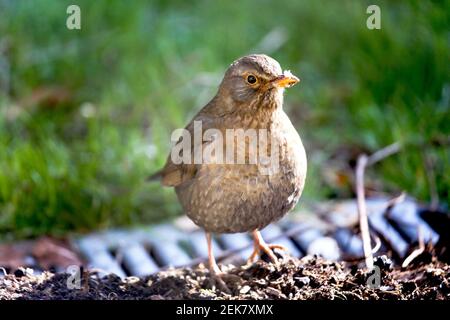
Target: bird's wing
175, 174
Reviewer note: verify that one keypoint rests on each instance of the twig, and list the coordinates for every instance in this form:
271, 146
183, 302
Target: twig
4, 271
362, 163
384, 153
395, 201
417, 252
362, 210
377, 245
374, 250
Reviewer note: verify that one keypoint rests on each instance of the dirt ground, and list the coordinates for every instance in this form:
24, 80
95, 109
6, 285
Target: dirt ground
309, 278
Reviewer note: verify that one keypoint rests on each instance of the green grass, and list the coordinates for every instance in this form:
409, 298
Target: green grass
138, 70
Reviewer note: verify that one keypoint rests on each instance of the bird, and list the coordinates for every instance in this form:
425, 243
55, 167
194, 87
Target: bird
231, 197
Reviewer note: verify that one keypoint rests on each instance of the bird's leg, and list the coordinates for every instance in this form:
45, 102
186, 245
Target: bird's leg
214, 270
212, 264
261, 246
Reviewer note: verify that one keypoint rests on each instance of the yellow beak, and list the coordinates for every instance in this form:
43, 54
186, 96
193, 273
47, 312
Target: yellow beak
286, 80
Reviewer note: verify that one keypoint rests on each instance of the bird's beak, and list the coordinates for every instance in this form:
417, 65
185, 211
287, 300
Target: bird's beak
286, 80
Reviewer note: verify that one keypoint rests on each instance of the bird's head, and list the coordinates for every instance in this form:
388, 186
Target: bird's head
256, 81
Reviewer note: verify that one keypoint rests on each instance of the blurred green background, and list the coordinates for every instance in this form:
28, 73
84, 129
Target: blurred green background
86, 115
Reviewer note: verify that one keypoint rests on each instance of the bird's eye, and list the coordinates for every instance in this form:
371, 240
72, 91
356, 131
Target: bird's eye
251, 79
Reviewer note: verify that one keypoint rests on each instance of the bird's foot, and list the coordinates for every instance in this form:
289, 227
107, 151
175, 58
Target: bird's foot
267, 249
217, 278
222, 280
260, 247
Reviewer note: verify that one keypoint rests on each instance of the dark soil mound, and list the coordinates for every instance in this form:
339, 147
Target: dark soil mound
309, 278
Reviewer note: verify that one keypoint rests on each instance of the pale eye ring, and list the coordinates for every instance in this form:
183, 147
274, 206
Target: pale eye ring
251, 79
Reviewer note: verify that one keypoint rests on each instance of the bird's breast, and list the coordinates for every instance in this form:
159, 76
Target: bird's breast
240, 197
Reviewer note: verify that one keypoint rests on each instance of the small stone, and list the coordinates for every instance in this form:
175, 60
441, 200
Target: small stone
275, 292
131, 280
244, 289
302, 281
386, 288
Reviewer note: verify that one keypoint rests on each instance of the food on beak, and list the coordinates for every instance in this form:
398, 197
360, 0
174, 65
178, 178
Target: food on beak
286, 80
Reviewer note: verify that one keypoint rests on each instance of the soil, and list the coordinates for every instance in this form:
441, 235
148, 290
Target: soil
310, 278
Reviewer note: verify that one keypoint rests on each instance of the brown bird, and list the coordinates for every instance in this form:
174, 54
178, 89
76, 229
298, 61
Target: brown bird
224, 196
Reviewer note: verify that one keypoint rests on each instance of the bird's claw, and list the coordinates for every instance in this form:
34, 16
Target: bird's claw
267, 249
217, 280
